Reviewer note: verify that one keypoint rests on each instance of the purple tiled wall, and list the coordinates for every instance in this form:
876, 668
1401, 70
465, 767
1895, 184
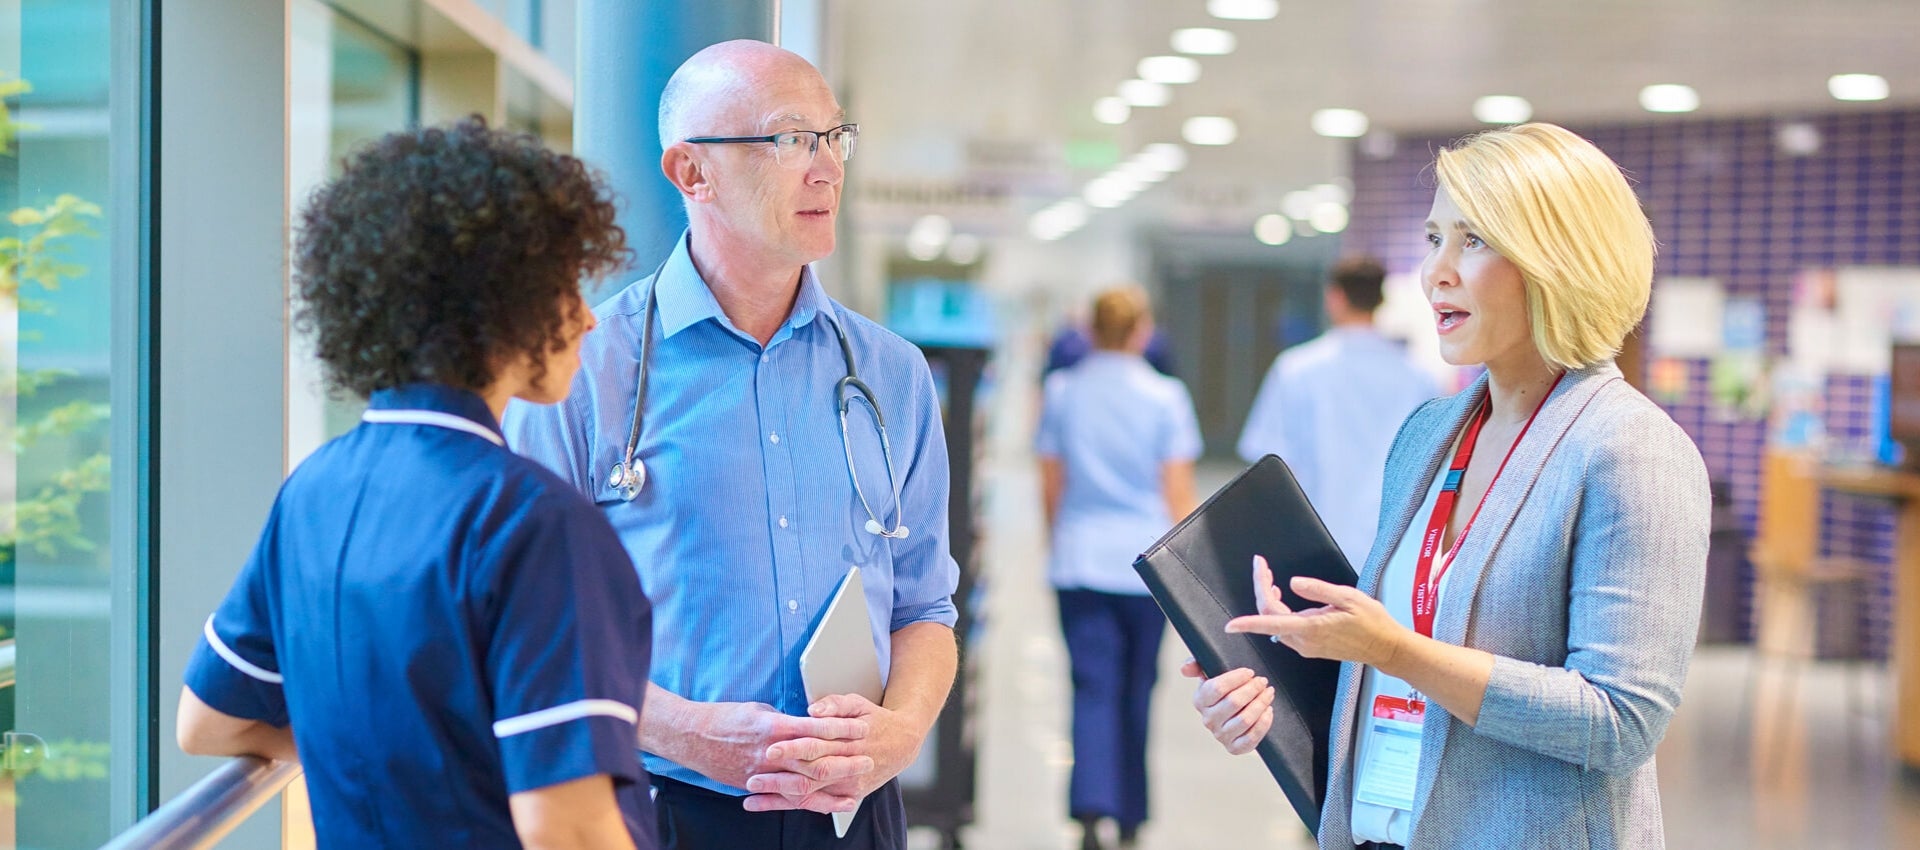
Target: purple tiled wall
1727, 203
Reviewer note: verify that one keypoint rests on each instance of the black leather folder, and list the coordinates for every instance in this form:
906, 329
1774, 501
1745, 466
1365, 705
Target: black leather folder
1201, 573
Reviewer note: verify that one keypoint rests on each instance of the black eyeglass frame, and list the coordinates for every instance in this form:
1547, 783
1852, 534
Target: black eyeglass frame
818, 137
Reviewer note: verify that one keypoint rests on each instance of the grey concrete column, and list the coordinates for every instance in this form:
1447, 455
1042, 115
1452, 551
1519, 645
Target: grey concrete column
627, 50
220, 222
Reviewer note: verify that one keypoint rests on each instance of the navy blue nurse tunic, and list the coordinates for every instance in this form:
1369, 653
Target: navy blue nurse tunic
444, 623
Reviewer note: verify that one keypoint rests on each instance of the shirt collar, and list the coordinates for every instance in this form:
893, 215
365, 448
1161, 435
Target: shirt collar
438, 398
1108, 355
685, 300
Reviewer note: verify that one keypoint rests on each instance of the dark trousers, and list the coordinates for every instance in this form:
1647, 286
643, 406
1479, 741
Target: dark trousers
1113, 643
694, 818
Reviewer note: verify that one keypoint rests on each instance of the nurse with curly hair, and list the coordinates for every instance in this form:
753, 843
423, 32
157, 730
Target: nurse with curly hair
453, 635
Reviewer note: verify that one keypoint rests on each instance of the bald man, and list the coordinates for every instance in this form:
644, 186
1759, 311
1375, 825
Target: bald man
756, 498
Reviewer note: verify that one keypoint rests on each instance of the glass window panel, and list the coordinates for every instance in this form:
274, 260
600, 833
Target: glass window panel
349, 84
58, 279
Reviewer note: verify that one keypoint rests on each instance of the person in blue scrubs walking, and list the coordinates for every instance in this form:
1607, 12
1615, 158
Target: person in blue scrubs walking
450, 634
1116, 443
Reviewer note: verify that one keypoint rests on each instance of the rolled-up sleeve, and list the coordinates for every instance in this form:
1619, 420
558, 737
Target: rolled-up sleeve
567, 660
924, 572
555, 435
1637, 574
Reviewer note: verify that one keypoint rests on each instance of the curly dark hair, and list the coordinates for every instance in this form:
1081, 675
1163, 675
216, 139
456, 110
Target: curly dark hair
440, 253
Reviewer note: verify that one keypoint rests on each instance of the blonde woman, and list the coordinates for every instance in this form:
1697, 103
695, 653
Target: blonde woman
1521, 631
1116, 443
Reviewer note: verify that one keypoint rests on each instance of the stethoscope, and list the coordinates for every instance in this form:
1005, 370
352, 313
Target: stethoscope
630, 474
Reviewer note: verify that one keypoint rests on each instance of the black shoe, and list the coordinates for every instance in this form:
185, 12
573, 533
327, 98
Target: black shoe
1090, 834
1129, 837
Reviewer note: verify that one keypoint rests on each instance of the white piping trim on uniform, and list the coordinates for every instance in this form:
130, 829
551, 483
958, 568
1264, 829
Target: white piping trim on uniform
221, 649
431, 417
562, 713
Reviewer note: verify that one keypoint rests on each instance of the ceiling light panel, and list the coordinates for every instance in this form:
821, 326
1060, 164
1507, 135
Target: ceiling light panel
1209, 130
1169, 70
1857, 87
1273, 229
1668, 97
1340, 123
1502, 109
1203, 41
1328, 217
1144, 93
1243, 10
1165, 157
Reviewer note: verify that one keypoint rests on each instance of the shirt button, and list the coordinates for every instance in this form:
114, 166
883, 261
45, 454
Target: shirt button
783, 522
763, 358
773, 437
793, 605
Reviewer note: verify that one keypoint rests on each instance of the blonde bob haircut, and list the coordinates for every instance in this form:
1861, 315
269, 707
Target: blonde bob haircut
1117, 315
1561, 211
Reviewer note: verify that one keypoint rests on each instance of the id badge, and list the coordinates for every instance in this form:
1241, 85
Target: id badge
1392, 767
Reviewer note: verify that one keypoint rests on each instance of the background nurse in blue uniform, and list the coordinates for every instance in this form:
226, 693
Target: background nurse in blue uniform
451, 634
1117, 442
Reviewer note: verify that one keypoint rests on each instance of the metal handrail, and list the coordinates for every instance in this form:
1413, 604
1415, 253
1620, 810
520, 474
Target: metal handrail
203, 814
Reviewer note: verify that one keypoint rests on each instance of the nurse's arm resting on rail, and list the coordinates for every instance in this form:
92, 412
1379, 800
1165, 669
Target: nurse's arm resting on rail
203, 730
576, 815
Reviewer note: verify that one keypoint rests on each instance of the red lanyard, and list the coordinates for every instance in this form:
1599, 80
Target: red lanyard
1426, 583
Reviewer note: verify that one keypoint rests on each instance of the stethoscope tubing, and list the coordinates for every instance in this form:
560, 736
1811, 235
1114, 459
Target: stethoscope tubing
629, 475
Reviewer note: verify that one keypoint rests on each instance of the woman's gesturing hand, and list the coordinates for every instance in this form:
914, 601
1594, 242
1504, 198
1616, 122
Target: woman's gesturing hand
1348, 626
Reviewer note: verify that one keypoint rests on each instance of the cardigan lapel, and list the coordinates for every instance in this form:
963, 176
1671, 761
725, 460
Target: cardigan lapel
1504, 499
1498, 508
1405, 485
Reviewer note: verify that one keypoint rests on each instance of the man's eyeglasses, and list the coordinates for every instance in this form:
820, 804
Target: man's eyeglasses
795, 148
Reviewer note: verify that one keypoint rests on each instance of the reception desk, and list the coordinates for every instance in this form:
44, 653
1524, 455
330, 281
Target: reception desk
1903, 488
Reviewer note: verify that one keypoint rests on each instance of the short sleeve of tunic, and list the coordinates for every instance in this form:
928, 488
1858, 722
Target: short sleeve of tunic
567, 659
235, 669
1183, 432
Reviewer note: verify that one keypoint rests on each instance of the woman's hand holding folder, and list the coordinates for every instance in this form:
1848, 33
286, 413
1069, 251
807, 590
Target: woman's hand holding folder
1237, 706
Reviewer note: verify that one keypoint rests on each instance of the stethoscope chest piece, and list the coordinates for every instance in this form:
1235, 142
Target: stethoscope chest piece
627, 478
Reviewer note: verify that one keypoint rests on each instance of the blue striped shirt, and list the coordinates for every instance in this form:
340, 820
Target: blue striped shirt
748, 519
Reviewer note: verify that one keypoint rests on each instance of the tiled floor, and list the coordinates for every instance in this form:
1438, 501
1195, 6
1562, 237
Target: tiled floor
1812, 776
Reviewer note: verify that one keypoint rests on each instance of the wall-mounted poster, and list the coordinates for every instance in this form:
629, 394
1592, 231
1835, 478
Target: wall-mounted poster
1738, 378
1799, 405
1667, 380
1873, 306
1686, 317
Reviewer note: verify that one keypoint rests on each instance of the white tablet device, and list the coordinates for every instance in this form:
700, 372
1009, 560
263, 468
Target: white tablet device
840, 657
